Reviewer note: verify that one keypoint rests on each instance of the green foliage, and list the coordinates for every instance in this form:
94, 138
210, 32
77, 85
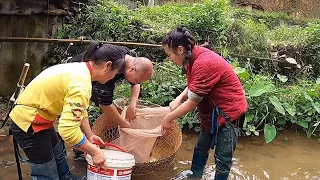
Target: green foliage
122, 90
248, 37
93, 112
312, 49
296, 36
275, 101
272, 19
191, 120
231, 32
270, 133
272, 103
106, 20
166, 17
209, 21
167, 83
304, 42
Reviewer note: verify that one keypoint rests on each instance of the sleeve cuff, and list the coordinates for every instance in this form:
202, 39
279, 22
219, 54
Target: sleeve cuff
194, 97
132, 84
82, 142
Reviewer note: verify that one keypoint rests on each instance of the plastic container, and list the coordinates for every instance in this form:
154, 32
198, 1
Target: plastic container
119, 166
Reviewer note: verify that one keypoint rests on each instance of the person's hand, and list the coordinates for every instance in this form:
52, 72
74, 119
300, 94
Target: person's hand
99, 160
131, 112
175, 103
95, 139
124, 124
166, 125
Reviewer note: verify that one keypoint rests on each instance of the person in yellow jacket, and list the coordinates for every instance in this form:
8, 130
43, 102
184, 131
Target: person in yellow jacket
62, 90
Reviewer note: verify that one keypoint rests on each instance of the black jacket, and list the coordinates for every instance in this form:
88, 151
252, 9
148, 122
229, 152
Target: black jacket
102, 94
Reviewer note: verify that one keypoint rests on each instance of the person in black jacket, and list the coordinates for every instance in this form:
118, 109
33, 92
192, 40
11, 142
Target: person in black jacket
137, 70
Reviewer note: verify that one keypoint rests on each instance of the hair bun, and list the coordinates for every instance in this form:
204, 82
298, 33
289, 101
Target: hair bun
99, 45
182, 29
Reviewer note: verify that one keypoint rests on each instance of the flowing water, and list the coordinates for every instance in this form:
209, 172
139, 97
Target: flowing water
289, 156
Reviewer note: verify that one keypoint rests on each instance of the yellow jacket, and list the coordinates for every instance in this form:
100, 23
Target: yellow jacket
64, 90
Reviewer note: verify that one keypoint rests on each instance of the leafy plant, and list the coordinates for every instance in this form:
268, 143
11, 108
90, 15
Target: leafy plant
275, 100
272, 106
191, 119
209, 21
249, 38
270, 133
166, 17
166, 84
94, 112
122, 90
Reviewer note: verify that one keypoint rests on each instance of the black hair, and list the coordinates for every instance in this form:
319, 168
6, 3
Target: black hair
99, 52
206, 45
180, 36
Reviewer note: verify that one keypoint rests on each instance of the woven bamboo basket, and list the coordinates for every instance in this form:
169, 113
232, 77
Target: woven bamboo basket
163, 151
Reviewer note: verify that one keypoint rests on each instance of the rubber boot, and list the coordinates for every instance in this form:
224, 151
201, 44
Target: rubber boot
221, 177
45, 171
199, 161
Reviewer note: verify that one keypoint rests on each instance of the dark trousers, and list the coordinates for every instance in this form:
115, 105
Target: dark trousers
38, 147
46, 152
226, 144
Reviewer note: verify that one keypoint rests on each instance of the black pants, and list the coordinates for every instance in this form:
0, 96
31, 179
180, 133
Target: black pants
38, 147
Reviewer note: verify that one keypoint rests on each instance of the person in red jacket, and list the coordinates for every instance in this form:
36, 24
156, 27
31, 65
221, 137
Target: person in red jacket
215, 90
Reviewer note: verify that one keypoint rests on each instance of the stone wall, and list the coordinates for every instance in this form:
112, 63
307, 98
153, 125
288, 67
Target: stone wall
24, 18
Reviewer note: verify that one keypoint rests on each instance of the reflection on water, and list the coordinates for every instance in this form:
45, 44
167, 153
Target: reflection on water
295, 158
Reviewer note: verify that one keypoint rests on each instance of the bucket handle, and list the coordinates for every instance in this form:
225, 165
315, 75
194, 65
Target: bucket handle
110, 145
106, 144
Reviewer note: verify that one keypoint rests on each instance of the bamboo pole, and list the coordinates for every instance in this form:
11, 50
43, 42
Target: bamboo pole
76, 41
80, 41
255, 57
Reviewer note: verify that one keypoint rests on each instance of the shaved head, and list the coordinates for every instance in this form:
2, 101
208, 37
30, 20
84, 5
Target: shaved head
138, 69
144, 68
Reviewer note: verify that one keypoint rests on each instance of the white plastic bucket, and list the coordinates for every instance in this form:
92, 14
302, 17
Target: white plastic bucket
119, 166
